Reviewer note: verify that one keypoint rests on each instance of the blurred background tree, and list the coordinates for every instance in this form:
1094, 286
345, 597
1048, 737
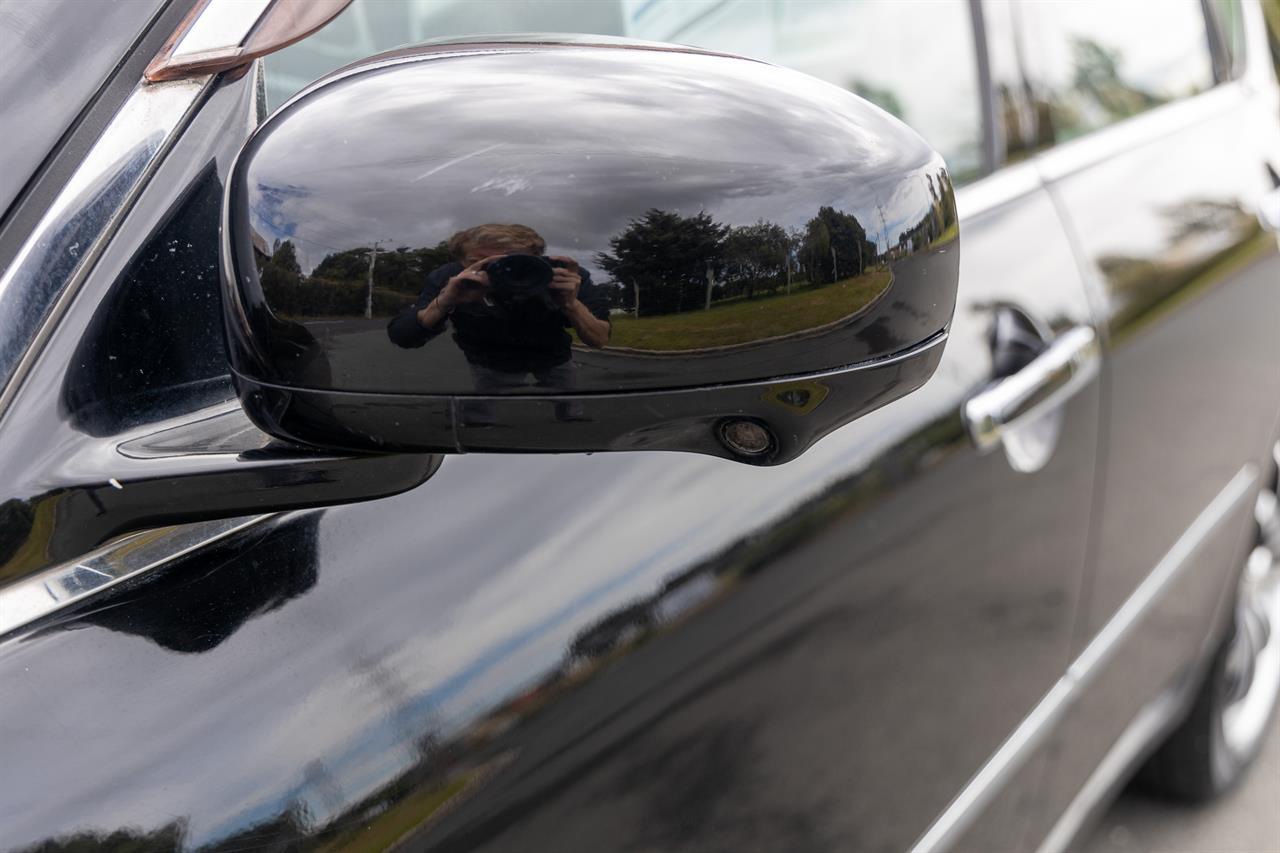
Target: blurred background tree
1271, 10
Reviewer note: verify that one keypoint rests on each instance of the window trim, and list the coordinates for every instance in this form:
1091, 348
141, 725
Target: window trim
1136, 129
1076, 155
60, 252
1218, 56
992, 145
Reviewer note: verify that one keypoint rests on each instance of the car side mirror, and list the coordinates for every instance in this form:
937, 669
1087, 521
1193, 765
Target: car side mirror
570, 246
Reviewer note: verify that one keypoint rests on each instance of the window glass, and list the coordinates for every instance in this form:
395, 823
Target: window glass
913, 59
1092, 63
1018, 128
1271, 13
1231, 22
155, 350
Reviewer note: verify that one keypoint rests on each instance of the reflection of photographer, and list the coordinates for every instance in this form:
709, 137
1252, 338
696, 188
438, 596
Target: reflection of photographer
510, 308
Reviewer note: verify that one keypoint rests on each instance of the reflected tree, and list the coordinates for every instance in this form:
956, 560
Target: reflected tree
836, 246
1201, 233
281, 269
756, 256
1199, 217
1097, 75
288, 831
881, 96
668, 261
661, 263
339, 284
400, 270
169, 838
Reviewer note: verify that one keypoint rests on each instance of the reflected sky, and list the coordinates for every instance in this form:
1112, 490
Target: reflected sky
525, 139
585, 144
918, 67
487, 601
464, 590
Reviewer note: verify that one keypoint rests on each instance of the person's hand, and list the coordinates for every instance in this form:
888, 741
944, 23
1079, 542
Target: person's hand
565, 282
470, 285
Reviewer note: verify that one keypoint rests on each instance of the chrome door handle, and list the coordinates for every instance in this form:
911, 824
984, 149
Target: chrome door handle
1048, 381
1269, 210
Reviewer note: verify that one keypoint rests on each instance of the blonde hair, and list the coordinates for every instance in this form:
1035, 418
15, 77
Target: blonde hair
510, 237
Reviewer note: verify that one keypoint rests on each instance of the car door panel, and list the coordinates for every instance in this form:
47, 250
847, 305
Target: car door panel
640, 651
1164, 212
645, 651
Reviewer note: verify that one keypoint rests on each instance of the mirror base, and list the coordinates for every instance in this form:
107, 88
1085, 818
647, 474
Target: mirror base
794, 412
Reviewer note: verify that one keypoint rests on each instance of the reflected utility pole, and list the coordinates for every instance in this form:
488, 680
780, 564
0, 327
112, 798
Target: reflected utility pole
884, 229
368, 299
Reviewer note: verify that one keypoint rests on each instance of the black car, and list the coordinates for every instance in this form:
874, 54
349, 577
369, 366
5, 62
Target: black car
631, 425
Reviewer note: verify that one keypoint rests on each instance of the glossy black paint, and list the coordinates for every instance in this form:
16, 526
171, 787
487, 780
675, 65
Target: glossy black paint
794, 412
558, 652
1190, 287
56, 61
405, 151
121, 426
87, 105
664, 651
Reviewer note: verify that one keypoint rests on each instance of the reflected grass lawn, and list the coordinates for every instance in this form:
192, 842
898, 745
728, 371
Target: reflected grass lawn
393, 825
742, 321
1170, 293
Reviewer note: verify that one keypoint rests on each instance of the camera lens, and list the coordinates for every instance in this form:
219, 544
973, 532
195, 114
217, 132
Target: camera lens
746, 438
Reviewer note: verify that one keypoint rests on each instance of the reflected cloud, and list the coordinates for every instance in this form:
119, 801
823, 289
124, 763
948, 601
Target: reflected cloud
764, 235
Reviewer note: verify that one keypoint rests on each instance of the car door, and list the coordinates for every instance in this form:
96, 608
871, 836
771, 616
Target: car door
644, 651
1160, 167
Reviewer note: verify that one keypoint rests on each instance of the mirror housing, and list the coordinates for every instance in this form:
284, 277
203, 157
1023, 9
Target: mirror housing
737, 259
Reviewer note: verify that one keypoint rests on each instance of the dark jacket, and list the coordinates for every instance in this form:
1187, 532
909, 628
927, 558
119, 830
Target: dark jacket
533, 337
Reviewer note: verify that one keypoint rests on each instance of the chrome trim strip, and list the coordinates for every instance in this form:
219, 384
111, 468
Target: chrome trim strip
54, 260
1068, 158
86, 213
1030, 734
1001, 187
221, 27
997, 772
61, 586
1104, 644
1109, 772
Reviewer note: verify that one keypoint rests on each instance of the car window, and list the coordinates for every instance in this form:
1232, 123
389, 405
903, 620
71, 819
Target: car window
1230, 19
155, 350
1271, 14
1091, 63
915, 60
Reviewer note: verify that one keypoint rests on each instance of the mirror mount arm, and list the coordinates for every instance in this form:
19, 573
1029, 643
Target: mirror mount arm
792, 413
213, 464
